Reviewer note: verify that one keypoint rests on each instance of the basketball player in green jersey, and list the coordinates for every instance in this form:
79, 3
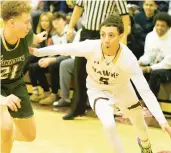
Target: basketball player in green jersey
16, 114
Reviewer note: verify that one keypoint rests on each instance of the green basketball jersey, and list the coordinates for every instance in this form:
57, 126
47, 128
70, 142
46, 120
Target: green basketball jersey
12, 62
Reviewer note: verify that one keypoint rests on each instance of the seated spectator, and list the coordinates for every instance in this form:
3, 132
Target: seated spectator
36, 12
44, 24
66, 73
143, 24
132, 42
133, 9
157, 57
50, 64
56, 6
163, 6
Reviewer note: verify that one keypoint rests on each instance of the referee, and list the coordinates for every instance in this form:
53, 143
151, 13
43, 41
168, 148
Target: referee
95, 12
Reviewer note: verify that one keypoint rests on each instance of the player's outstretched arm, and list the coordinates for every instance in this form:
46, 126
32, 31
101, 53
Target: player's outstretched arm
80, 49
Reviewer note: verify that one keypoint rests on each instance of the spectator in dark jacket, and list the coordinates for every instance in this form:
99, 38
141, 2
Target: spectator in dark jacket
144, 24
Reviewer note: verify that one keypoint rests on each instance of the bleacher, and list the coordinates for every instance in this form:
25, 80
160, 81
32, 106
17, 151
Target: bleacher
165, 98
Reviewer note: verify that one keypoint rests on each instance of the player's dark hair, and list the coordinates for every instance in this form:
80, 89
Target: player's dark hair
114, 20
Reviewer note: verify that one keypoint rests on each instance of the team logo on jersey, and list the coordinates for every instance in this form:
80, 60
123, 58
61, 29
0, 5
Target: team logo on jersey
106, 73
12, 61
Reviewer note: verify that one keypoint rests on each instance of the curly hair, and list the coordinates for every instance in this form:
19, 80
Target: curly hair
114, 20
163, 16
10, 9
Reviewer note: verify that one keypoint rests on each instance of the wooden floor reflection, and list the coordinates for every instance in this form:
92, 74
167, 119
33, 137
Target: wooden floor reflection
82, 135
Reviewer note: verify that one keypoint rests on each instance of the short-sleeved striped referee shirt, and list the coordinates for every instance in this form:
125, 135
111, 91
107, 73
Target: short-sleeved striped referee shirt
96, 11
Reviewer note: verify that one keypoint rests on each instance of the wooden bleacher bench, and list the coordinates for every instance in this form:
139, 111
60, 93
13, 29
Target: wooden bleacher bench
164, 97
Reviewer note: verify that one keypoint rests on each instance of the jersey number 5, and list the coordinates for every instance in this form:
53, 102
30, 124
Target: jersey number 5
9, 72
104, 80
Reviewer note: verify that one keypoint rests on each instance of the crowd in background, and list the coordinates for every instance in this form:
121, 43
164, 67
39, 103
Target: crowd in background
150, 44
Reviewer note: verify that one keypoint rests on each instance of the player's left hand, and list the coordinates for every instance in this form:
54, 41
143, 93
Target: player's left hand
166, 128
40, 37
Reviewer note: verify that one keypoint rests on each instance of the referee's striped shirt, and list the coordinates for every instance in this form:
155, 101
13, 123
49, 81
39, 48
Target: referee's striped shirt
96, 11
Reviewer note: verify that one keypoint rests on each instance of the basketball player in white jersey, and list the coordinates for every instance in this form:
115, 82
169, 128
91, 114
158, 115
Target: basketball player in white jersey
110, 67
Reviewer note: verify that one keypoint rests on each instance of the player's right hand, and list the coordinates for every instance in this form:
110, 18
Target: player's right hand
13, 102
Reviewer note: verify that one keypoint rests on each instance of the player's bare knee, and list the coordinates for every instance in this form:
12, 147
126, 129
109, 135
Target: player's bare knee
30, 137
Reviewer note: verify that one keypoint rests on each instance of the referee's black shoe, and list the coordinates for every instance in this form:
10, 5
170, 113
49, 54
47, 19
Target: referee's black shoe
71, 116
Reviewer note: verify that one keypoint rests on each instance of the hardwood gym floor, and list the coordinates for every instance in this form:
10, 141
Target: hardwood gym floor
82, 135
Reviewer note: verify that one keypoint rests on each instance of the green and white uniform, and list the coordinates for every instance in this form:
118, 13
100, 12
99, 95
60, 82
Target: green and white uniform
12, 63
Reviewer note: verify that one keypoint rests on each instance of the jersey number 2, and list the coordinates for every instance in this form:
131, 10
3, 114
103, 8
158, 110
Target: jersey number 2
9, 72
